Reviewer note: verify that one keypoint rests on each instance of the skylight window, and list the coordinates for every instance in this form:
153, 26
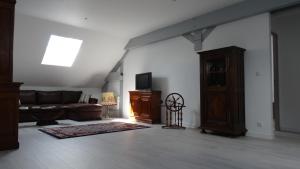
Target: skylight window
61, 51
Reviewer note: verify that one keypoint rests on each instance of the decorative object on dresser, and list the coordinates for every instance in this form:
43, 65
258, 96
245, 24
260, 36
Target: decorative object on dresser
222, 91
145, 106
9, 91
93, 100
174, 103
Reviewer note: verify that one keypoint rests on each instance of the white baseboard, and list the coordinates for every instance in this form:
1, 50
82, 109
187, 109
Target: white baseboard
260, 135
193, 126
287, 134
249, 133
289, 129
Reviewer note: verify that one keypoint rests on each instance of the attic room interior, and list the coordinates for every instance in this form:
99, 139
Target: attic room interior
152, 84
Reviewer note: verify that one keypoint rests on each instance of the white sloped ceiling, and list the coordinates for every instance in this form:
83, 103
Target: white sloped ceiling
98, 54
105, 26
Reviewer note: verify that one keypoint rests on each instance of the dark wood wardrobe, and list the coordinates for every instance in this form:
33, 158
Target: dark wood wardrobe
222, 91
9, 91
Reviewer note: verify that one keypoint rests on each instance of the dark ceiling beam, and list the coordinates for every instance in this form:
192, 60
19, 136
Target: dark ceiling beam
238, 11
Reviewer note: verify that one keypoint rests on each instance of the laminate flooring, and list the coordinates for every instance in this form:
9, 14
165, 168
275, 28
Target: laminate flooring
152, 148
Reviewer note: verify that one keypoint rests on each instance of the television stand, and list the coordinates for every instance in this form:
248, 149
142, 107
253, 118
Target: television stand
145, 106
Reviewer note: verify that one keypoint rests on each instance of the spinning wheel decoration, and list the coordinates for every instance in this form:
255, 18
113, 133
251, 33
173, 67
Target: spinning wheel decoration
174, 103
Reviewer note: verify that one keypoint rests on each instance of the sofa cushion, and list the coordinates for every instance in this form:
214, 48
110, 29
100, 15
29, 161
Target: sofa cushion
28, 97
49, 97
69, 97
82, 112
83, 107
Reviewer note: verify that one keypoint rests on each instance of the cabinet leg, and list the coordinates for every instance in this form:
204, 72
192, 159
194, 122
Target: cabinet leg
203, 131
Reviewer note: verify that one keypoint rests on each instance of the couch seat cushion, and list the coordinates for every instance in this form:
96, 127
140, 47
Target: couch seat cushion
83, 107
24, 107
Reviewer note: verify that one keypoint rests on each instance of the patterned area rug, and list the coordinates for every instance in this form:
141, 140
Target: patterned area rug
90, 129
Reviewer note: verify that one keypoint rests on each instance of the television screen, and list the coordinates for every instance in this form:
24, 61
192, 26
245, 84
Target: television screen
143, 81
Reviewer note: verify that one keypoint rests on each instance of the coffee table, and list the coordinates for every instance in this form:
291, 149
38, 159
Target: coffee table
46, 115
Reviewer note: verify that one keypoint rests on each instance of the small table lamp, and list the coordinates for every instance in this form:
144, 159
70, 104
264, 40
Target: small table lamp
108, 100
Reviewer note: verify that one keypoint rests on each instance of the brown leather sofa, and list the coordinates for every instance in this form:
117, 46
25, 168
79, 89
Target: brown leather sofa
66, 101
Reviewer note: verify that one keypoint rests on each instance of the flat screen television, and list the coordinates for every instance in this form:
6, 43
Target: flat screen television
143, 81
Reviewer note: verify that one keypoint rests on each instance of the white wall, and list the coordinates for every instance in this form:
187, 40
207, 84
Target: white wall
93, 92
253, 34
287, 26
175, 68
114, 86
114, 82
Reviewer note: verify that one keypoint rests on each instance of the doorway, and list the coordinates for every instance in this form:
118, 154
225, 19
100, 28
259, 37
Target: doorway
275, 75
286, 69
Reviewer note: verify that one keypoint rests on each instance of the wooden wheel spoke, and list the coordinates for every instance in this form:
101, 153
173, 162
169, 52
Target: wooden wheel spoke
174, 103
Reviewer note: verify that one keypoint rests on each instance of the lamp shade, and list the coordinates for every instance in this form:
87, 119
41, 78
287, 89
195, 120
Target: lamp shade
108, 97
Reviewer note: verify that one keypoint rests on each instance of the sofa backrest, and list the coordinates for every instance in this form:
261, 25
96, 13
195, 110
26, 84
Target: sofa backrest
28, 97
69, 97
49, 97
32, 97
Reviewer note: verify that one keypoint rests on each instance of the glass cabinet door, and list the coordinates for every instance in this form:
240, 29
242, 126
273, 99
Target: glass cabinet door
216, 72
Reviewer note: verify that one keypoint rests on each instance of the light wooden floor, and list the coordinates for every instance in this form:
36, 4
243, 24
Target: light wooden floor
152, 148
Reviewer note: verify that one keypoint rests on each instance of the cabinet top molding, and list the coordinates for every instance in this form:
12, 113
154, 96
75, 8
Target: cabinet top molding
224, 49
